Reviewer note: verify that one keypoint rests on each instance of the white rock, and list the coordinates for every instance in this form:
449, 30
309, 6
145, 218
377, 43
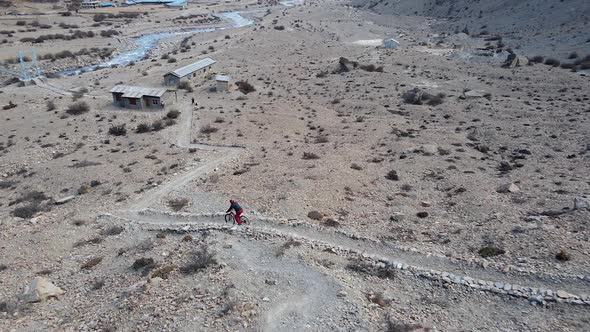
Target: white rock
40, 289
508, 188
581, 202
64, 200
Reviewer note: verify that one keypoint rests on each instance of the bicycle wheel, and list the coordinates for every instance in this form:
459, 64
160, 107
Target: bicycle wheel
245, 220
230, 218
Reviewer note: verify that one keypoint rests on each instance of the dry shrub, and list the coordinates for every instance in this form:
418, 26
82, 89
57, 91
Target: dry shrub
173, 114
118, 130
563, 255
208, 129
177, 204
143, 128
310, 156
245, 87
163, 272
490, 251
144, 263
384, 272
392, 175
200, 260
291, 243
78, 108
113, 230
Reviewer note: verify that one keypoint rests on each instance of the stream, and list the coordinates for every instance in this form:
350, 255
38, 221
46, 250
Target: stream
144, 43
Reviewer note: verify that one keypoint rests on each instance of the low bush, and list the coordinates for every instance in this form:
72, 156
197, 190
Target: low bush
310, 156
28, 211
490, 251
163, 272
563, 255
392, 175
79, 93
245, 87
371, 68
173, 114
118, 130
208, 129
144, 263
157, 125
177, 204
50, 105
552, 62
78, 108
199, 260
143, 128
387, 271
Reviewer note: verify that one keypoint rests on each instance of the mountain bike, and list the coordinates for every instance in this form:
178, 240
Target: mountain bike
231, 217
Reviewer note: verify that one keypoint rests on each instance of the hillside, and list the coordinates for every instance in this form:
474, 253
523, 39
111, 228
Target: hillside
535, 27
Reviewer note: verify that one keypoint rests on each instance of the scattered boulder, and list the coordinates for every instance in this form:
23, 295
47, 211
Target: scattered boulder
581, 202
64, 200
315, 215
426, 149
40, 289
472, 94
514, 60
508, 188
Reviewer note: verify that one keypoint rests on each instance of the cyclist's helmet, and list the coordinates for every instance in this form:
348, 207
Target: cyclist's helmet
232, 201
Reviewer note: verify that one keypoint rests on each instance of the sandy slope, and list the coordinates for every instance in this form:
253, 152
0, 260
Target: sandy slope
534, 27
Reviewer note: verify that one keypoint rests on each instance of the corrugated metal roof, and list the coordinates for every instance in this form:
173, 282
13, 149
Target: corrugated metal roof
182, 72
137, 91
224, 78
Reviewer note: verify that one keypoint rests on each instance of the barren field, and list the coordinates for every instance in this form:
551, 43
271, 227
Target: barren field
427, 187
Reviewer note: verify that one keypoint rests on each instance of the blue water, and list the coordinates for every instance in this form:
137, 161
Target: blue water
145, 43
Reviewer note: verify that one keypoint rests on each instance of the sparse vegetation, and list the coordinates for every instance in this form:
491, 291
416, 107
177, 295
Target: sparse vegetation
310, 156
163, 272
77, 108
245, 87
118, 130
199, 260
392, 175
143, 128
177, 204
552, 62
144, 263
173, 114
157, 125
285, 246
208, 129
113, 230
490, 251
563, 255
360, 266
50, 105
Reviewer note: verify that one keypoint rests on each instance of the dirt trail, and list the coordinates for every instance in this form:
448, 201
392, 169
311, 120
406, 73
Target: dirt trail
303, 306
302, 299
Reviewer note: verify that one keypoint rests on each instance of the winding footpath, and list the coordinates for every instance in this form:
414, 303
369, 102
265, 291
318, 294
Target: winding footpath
538, 287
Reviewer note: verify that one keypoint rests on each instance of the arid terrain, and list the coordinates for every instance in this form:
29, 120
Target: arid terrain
434, 186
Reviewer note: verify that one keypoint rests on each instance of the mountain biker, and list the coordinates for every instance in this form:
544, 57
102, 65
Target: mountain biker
237, 209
